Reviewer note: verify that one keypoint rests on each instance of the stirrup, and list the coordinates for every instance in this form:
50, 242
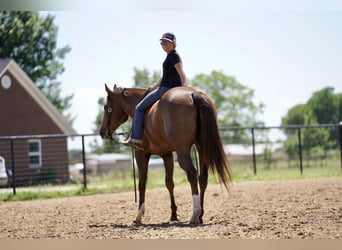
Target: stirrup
130, 143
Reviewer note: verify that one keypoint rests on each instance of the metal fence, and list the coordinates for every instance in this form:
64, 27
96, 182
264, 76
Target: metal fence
56, 159
327, 145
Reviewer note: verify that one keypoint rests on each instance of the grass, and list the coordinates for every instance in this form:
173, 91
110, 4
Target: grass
34, 195
122, 180
288, 174
283, 170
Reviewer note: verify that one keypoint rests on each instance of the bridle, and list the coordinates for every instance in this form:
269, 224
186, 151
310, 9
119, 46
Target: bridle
109, 109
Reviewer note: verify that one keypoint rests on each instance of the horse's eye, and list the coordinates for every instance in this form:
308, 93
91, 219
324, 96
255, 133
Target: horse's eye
109, 110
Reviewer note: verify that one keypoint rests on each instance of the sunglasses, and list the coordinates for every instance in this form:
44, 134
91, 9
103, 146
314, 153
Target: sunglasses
162, 43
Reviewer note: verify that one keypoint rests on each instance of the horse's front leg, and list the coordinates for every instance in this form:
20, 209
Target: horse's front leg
169, 165
142, 162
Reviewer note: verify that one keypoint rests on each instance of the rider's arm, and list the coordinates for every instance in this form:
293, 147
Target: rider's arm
155, 85
179, 68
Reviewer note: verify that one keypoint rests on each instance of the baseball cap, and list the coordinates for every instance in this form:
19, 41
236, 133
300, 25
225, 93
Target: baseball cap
169, 37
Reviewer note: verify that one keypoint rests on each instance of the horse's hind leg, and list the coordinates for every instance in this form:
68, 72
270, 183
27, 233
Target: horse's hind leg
169, 165
185, 163
142, 162
203, 183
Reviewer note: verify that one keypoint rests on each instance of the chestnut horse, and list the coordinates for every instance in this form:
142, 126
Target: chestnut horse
183, 117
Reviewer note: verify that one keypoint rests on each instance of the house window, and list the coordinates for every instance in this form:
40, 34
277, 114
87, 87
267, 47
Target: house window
35, 153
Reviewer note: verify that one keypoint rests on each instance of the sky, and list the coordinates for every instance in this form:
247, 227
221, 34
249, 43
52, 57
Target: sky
283, 54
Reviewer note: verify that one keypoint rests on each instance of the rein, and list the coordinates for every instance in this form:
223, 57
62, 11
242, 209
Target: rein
134, 177
109, 110
133, 155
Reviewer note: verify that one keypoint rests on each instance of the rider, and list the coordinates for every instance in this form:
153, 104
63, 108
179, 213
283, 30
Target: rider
173, 76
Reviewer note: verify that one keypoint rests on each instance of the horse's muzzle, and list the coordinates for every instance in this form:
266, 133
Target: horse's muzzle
104, 132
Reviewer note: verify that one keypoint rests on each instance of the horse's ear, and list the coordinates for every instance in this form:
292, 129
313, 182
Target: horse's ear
114, 87
107, 89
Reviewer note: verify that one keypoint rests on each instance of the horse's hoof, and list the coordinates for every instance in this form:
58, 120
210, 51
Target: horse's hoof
195, 221
195, 218
137, 222
174, 218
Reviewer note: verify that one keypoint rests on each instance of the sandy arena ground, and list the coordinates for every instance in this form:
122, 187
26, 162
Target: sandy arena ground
309, 209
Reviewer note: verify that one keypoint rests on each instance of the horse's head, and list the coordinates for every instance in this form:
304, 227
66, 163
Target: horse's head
114, 114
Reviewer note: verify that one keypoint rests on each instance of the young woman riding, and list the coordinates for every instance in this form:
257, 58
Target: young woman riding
173, 76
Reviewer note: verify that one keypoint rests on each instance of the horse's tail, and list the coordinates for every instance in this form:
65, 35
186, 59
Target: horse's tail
209, 140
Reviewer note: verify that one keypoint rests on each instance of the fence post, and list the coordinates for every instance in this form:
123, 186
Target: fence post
254, 158
300, 151
12, 168
84, 165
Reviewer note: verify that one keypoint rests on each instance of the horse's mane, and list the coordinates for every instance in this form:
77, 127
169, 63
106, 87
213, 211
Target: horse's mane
135, 90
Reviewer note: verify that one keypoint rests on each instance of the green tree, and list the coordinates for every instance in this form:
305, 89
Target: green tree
313, 140
324, 104
31, 40
339, 107
143, 79
323, 107
295, 116
234, 103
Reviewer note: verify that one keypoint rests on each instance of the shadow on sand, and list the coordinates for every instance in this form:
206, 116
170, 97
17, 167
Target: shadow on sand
136, 226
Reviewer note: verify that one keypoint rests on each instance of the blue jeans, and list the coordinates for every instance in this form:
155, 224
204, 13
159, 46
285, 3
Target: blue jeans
142, 106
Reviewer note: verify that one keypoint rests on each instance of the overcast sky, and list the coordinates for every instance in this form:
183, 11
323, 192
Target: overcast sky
284, 55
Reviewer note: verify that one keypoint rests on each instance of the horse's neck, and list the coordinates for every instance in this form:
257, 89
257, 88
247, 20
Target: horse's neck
133, 100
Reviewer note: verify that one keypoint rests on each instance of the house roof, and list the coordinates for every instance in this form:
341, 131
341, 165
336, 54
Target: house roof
23, 79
